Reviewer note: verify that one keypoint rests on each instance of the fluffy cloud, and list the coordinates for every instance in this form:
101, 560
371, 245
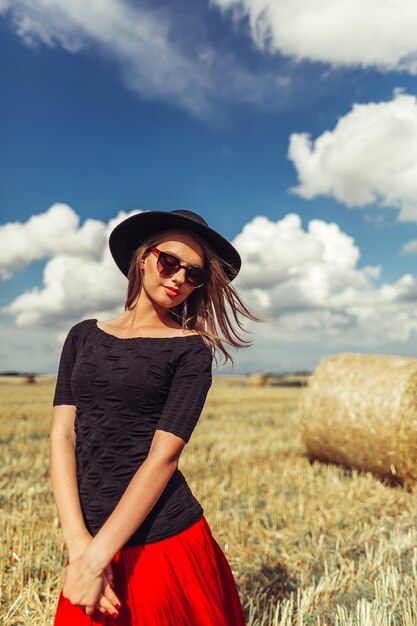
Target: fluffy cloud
133, 36
54, 232
155, 51
370, 156
80, 277
310, 284
72, 286
410, 247
294, 270
379, 33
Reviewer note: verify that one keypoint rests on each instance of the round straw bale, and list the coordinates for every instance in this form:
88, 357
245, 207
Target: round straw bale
257, 380
360, 410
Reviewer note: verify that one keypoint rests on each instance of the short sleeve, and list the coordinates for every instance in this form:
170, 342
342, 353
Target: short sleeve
63, 392
188, 391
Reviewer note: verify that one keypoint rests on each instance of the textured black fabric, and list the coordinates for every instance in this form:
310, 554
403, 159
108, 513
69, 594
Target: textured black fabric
124, 390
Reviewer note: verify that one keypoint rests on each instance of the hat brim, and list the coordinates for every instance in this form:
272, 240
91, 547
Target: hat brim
127, 236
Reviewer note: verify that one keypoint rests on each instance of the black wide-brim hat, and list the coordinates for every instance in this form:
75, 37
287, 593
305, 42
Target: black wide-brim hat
129, 234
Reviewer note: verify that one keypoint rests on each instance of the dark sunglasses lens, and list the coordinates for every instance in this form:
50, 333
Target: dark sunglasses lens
167, 264
195, 276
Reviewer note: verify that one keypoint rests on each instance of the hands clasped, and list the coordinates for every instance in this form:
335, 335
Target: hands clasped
89, 587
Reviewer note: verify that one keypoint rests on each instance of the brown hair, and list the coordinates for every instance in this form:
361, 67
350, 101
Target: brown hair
204, 310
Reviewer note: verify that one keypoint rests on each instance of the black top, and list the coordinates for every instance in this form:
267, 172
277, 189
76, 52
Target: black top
124, 390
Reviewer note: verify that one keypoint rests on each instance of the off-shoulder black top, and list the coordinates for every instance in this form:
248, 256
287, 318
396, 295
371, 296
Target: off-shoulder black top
124, 390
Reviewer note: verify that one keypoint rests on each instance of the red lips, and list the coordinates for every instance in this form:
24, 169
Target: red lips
171, 290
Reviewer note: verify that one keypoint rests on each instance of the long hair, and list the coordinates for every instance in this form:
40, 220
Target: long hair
211, 309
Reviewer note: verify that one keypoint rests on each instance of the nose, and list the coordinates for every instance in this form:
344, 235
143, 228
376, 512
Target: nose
178, 277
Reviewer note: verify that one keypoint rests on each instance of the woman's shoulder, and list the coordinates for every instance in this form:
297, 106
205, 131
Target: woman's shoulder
80, 328
83, 324
194, 348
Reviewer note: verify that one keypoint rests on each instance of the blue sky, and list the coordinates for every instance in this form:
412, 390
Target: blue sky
125, 106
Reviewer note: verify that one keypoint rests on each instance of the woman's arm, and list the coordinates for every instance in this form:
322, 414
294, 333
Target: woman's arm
139, 498
65, 489
64, 479
137, 501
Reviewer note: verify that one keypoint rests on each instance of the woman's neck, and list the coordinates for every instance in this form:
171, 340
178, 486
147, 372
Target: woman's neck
147, 318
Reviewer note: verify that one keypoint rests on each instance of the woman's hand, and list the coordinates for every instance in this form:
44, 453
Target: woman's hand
82, 584
107, 601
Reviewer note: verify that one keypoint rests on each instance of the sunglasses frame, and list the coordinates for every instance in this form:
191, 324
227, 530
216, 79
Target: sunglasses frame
158, 253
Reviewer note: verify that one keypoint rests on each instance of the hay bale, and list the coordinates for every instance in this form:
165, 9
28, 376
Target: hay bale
257, 380
360, 411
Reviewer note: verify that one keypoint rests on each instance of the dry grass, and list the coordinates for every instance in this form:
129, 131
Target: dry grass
310, 544
360, 410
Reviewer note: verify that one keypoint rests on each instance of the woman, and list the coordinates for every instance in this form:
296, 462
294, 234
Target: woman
128, 395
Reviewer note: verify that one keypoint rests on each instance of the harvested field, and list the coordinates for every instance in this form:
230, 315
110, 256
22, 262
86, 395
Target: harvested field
310, 544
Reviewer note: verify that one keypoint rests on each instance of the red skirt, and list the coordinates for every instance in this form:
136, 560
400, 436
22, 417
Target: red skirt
184, 580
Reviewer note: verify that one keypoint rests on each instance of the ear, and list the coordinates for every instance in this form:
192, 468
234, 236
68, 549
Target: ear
143, 258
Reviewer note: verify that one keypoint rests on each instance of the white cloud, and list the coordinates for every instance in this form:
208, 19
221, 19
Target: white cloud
275, 252
302, 270
72, 287
80, 278
310, 284
157, 55
54, 232
378, 33
410, 247
138, 39
369, 157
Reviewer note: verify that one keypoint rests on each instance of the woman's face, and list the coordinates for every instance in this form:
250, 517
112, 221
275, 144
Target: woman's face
171, 291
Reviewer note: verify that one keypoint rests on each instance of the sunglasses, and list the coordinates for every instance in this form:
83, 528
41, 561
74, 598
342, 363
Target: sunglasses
168, 265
